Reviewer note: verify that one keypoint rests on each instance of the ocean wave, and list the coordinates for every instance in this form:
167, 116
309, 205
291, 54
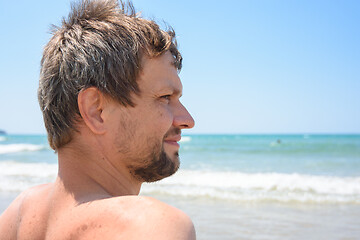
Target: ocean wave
224, 186
16, 177
15, 148
2, 139
245, 187
185, 139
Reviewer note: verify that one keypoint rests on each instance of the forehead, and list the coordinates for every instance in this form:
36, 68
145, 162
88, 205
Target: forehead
159, 73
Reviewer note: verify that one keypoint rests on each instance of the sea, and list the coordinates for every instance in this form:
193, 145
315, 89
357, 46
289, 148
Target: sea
234, 186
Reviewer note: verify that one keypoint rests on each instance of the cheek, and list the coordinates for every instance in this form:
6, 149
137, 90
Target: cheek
125, 132
156, 118
165, 117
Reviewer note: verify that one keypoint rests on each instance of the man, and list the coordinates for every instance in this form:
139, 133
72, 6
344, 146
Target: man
109, 92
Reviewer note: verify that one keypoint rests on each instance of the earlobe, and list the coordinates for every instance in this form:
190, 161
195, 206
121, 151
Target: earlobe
90, 102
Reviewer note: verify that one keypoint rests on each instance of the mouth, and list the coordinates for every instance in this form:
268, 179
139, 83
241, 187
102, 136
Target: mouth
173, 141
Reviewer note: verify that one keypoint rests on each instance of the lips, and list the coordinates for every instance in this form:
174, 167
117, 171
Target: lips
176, 138
173, 140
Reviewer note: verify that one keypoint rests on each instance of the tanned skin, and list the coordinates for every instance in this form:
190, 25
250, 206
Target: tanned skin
95, 195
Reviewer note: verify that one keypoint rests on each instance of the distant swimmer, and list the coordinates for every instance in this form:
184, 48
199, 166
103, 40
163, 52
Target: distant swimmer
278, 141
110, 95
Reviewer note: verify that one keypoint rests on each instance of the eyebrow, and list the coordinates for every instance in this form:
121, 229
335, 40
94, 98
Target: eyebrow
177, 91
174, 90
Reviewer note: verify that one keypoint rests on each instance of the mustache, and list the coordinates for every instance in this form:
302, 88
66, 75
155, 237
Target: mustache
172, 132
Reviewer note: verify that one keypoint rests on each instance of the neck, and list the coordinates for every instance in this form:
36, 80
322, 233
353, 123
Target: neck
88, 174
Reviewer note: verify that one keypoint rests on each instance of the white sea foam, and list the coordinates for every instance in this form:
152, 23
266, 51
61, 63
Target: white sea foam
14, 148
233, 186
2, 138
185, 139
260, 187
15, 176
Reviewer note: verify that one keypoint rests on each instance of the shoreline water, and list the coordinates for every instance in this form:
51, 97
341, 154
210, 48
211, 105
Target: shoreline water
6, 198
230, 220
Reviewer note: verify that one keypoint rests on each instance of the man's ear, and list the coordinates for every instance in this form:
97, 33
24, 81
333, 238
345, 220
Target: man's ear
91, 103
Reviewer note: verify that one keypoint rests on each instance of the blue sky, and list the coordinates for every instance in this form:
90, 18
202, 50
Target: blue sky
249, 66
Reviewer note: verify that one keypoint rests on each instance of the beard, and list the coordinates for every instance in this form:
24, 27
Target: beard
158, 164
158, 167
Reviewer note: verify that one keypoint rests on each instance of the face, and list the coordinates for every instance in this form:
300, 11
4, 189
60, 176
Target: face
146, 136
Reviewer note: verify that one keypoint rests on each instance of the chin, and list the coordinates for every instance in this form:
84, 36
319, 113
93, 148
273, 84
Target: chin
158, 167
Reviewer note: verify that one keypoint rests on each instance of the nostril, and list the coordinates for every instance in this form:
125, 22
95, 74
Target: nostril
190, 123
184, 122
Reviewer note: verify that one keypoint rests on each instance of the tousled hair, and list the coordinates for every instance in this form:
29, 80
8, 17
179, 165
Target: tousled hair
101, 45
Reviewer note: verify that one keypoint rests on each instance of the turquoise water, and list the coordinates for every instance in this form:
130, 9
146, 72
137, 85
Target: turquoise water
332, 155
306, 169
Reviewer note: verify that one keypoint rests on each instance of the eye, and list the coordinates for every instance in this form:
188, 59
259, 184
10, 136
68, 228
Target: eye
166, 97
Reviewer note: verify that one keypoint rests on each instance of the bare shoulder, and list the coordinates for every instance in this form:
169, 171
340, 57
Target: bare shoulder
10, 217
162, 221
137, 217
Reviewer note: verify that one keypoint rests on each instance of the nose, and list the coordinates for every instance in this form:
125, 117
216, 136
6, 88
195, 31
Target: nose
183, 119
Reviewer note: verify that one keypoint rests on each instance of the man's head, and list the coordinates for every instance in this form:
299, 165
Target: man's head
145, 136
116, 74
101, 46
